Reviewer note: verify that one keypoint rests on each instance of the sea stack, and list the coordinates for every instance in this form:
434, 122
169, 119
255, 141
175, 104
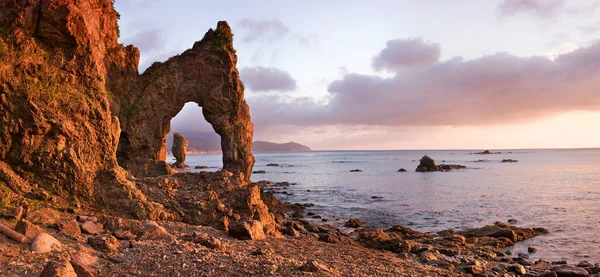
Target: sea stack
180, 145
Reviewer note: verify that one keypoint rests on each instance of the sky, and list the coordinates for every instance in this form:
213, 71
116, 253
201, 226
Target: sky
383, 74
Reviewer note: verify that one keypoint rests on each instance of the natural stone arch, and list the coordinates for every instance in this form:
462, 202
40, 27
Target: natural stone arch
205, 74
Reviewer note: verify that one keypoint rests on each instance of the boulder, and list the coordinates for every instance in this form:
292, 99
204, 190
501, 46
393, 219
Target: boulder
354, 223
247, 230
43, 243
70, 228
427, 164
207, 241
180, 144
124, 235
89, 227
83, 263
104, 242
570, 271
58, 269
28, 229
43, 216
150, 230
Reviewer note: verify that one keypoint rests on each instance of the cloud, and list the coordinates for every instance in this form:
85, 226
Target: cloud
542, 8
493, 89
308, 40
267, 79
590, 29
262, 29
402, 53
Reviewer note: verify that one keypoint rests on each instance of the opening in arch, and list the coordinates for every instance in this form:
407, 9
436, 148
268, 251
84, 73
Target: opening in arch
204, 144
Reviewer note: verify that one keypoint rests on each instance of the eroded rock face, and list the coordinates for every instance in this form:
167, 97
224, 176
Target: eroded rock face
180, 144
205, 74
73, 105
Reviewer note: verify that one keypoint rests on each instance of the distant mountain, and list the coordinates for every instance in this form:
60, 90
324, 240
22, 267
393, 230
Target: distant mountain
265, 146
210, 143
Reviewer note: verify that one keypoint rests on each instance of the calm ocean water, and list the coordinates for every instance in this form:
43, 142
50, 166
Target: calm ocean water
555, 189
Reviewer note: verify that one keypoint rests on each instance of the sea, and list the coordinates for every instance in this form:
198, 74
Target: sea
555, 189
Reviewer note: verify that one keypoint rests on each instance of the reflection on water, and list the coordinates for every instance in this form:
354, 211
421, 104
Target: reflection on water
555, 189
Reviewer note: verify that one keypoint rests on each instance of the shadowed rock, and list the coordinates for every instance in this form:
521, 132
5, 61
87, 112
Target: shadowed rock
180, 145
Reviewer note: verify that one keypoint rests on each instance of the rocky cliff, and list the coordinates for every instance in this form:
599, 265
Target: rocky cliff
76, 117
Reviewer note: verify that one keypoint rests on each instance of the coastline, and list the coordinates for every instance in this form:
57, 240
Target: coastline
299, 246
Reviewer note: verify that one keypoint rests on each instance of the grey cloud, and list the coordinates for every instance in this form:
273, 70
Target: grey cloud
540, 8
254, 30
267, 79
492, 89
402, 53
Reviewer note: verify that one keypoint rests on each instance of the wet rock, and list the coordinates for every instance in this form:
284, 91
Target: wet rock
354, 223
70, 229
402, 170
427, 164
43, 243
89, 227
124, 235
523, 255
58, 269
200, 167
570, 271
150, 230
584, 264
355, 170
104, 242
314, 266
547, 273
273, 164
517, 268
509, 161
28, 229
531, 249
180, 144
259, 172
247, 230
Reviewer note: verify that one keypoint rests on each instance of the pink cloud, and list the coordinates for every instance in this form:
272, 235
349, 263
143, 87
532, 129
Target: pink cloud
267, 79
401, 53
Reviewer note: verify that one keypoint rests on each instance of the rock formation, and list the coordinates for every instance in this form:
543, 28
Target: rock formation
76, 117
180, 145
427, 164
205, 74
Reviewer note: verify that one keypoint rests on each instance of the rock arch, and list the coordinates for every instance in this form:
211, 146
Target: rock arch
205, 74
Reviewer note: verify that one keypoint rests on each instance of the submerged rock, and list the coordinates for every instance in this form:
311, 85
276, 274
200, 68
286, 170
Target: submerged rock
180, 144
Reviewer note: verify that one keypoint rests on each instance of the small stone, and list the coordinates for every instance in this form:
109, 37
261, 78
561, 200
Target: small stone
28, 229
247, 230
150, 230
207, 241
314, 266
523, 255
85, 218
104, 242
354, 223
124, 235
58, 269
547, 273
584, 264
70, 229
43, 243
89, 227
531, 249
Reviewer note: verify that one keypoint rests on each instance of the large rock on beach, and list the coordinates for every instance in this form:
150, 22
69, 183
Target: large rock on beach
180, 144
